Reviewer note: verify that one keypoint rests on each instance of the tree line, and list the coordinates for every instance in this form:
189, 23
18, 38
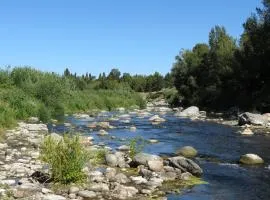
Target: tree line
227, 72
115, 80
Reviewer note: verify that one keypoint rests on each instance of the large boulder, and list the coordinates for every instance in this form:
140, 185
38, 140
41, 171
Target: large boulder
144, 158
187, 151
192, 111
254, 119
185, 165
251, 159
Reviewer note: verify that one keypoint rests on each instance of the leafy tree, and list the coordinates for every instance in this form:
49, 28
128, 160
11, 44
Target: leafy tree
114, 74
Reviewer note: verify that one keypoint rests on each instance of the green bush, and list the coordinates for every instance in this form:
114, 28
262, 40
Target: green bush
66, 157
136, 146
7, 115
44, 114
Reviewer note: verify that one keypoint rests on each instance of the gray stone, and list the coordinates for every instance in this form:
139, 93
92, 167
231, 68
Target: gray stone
111, 160
138, 180
187, 151
254, 119
185, 165
74, 190
143, 158
192, 111
53, 197
87, 194
124, 192
155, 165
99, 187
121, 178
251, 159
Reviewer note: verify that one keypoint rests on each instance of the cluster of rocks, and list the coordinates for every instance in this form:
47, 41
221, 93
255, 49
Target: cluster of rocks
150, 170
24, 176
254, 119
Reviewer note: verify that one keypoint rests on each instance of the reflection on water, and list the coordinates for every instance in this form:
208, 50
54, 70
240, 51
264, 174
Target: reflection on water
219, 150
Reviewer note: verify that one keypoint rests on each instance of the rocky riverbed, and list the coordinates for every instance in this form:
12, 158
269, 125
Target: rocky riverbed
171, 162
23, 176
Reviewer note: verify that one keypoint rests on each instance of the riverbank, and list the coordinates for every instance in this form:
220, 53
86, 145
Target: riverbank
23, 175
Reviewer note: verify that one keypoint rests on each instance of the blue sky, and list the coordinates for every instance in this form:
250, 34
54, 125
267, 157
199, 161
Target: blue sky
141, 36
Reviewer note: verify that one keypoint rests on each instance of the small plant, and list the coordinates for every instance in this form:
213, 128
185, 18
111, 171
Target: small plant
97, 156
66, 157
136, 146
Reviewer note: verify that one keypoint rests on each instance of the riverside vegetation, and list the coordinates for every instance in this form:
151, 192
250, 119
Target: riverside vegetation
209, 75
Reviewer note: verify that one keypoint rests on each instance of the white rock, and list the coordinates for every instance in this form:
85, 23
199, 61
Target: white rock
251, 159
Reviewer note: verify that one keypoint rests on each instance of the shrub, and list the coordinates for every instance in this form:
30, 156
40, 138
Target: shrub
136, 146
44, 114
97, 156
7, 115
66, 157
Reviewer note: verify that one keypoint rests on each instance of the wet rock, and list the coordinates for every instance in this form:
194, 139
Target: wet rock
254, 119
132, 128
153, 141
185, 165
81, 116
155, 165
104, 125
247, 131
102, 133
156, 118
144, 158
251, 159
187, 151
192, 111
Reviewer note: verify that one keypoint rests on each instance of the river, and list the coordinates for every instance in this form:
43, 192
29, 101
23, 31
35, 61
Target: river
219, 147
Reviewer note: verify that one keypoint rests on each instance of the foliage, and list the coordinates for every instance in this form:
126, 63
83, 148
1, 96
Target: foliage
27, 92
97, 156
223, 73
66, 157
136, 146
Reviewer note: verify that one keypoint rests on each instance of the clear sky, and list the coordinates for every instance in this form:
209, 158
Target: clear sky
139, 36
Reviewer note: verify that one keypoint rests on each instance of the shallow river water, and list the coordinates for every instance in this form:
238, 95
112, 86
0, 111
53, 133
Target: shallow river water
219, 147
